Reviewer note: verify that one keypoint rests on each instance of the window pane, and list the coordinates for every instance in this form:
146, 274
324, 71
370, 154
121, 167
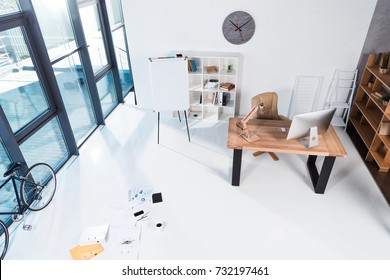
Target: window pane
107, 93
121, 54
55, 25
75, 94
7, 192
4, 161
46, 145
8, 6
114, 12
94, 36
21, 94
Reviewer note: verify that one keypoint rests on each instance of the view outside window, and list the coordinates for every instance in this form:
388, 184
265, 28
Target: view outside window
58, 34
7, 193
115, 17
75, 94
121, 54
55, 25
21, 93
8, 6
107, 93
4, 161
94, 36
47, 145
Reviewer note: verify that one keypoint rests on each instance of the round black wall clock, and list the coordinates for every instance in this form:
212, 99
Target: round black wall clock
238, 27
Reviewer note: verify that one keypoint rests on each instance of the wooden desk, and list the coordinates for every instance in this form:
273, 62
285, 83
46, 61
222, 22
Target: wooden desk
274, 140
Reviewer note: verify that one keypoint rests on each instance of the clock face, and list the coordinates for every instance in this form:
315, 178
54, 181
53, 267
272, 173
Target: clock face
238, 27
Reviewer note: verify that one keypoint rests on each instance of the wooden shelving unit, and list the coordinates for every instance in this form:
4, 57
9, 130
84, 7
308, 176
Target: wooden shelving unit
368, 113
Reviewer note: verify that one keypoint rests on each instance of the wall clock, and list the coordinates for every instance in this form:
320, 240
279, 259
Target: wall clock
238, 27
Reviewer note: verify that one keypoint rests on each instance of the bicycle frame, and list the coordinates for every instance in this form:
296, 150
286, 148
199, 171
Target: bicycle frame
20, 205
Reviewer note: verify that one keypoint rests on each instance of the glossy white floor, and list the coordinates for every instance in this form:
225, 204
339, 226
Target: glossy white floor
274, 214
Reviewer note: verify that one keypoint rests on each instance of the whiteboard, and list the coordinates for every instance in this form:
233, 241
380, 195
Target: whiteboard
169, 83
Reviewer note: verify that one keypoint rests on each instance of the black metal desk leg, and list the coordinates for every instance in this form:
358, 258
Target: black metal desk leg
188, 131
158, 127
320, 180
237, 157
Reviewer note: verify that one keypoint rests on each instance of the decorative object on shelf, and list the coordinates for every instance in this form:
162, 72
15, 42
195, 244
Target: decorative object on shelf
385, 99
384, 63
229, 68
211, 69
238, 27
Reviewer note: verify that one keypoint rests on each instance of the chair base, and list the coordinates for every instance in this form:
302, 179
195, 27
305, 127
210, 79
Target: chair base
272, 155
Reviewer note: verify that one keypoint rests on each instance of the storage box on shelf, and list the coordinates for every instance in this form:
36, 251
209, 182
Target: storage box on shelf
211, 97
369, 113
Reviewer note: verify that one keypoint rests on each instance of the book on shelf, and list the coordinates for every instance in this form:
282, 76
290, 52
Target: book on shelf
214, 100
190, 69
193, 64
227, 86
224, 98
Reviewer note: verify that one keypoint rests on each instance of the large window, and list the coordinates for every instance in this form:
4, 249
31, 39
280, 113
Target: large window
93, 32
7, 193
107, 94
47, 145
114, 9
61, 69
21, 93
4, 161
58, 34
55, 25
75, 94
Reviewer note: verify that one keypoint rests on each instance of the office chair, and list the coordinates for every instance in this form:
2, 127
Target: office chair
268, 110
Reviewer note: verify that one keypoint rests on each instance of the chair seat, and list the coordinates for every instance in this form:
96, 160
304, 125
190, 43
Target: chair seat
12, 168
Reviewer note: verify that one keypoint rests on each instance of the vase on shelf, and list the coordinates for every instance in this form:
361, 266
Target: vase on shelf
384, 63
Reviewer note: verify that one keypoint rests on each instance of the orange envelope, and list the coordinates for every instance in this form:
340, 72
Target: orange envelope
86, 252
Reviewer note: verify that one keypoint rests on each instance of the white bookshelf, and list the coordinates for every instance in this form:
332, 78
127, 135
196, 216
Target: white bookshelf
202, 104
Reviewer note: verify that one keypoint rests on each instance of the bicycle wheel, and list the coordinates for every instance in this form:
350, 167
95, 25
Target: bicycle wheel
38, 187
4, 240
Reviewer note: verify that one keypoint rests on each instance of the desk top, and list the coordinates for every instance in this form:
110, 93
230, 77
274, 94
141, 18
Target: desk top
274, 140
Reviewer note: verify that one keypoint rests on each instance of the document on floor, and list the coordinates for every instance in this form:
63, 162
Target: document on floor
93, 235
123, 242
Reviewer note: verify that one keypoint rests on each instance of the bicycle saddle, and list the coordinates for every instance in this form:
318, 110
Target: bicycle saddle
12, 168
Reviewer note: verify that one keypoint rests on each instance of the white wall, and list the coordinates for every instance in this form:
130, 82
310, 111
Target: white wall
301, 37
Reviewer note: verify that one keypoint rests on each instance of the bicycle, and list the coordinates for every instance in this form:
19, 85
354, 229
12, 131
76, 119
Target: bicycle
37, 189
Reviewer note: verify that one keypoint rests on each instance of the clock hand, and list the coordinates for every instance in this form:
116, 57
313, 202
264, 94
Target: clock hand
239, 30
239, 27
